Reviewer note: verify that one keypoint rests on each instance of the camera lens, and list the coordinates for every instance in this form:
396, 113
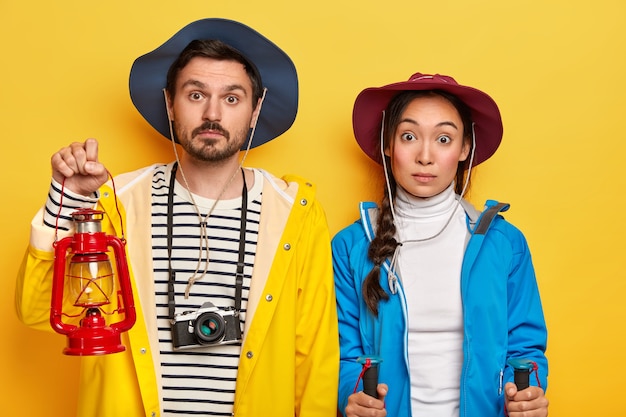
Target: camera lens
209, 327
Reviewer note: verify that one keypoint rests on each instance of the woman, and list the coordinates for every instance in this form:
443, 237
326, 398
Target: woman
443, 294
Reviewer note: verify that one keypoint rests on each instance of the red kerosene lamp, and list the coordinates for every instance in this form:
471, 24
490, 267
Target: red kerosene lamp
90, 282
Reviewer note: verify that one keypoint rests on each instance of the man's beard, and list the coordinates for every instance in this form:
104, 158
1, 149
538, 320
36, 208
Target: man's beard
204, 149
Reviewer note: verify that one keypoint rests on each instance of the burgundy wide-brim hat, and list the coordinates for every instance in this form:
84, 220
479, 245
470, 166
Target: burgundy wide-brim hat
371, 102
149, 73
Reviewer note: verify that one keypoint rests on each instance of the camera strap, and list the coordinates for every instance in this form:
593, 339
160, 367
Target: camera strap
171, 303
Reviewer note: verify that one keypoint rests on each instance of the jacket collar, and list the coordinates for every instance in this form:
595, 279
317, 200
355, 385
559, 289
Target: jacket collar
369, 215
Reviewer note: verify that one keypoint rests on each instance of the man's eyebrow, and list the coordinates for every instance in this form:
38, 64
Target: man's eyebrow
234, 87
194, 83
201, 85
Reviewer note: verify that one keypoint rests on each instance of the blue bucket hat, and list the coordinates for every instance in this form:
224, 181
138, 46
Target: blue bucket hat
278, 74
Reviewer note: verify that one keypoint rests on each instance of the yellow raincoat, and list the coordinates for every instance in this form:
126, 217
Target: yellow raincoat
290, 354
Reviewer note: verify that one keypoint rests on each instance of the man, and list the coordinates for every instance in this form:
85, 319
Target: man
230, 88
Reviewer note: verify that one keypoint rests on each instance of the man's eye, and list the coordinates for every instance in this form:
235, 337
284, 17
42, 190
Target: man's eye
195, 96
232, 99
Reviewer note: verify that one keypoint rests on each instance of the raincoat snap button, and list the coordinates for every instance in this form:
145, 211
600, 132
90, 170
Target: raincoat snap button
269, 297
303, 202
286, 246
249, 354
143, 351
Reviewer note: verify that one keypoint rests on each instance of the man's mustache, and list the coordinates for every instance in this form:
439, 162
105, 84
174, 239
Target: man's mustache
210, 126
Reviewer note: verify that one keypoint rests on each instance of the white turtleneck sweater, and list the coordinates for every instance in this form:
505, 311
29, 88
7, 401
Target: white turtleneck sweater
431, 274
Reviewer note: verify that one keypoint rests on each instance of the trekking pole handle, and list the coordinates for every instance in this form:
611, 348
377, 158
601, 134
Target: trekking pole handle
370, 374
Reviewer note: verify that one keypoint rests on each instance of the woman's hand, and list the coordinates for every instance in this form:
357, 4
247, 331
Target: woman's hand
530, 402
362, 405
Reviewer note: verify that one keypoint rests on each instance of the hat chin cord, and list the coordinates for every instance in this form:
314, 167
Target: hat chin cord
204, 238
171, 128
392, 276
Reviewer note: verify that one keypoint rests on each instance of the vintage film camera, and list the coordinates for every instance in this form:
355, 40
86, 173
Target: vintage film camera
207, 326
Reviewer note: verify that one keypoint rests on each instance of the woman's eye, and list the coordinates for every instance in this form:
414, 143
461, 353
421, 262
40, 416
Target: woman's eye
407, 136
444, 139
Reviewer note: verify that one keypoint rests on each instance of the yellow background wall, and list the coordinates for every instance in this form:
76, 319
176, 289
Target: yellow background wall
556, 68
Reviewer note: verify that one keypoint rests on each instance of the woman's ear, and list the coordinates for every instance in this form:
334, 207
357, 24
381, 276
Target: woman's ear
465, 151
387, 150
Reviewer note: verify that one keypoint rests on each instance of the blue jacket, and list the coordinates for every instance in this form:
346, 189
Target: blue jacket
503, 317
